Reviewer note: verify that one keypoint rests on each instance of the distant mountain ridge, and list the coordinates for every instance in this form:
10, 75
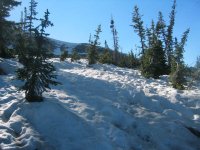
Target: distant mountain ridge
81, 48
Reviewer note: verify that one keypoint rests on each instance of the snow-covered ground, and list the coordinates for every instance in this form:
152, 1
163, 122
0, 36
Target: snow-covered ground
102, 107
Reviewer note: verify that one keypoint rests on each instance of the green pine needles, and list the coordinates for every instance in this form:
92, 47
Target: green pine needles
161, 53
92, 49
38, 72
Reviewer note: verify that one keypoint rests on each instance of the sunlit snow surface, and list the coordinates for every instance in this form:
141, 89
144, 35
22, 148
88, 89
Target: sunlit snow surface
101, 107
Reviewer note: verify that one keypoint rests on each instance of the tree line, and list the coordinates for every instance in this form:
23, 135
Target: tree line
161, 53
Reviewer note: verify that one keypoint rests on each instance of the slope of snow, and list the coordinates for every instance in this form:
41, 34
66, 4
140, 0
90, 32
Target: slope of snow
99, 107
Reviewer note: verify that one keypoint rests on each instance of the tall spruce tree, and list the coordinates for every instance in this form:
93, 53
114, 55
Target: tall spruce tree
38, 72
115, 42
22, 37
169, 35
139, 28
25, 19
26, 43
92, 49
6, 26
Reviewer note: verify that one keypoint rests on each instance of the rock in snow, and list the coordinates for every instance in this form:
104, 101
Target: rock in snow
102, 107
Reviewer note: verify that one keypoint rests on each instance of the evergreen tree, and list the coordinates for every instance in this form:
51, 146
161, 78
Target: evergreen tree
6, 27
163, 54
138, 27
161, 34
178, 68
169, 35
196, 74
193, 74
22, 39
180, 49
149, 36
38, 72
153, 61
133, 62
161, 29
197, 65
92, 49
123, 61
22, 47
31, 17
106, 57
26, 44
115, 42
25, 19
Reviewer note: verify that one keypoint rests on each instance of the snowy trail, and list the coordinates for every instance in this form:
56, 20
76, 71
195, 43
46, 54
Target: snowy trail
99, 107
129, 89
127, 92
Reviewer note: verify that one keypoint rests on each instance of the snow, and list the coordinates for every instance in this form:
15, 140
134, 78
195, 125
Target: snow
99, 107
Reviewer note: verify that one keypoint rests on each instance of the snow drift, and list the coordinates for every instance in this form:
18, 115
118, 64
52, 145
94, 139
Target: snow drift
101, 107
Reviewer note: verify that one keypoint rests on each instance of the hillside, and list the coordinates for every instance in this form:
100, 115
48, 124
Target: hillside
81, 48
101, 107
57, 44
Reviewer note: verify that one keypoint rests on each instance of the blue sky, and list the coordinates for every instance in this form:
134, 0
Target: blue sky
74, 20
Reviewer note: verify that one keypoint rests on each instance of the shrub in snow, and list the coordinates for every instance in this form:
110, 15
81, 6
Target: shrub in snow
178, 79
106, 57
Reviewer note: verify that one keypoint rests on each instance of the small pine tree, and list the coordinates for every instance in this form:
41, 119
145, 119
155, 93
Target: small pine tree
193, 74
133, 62
92, 49
38, 72
106, 57
177, 77
123, 61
